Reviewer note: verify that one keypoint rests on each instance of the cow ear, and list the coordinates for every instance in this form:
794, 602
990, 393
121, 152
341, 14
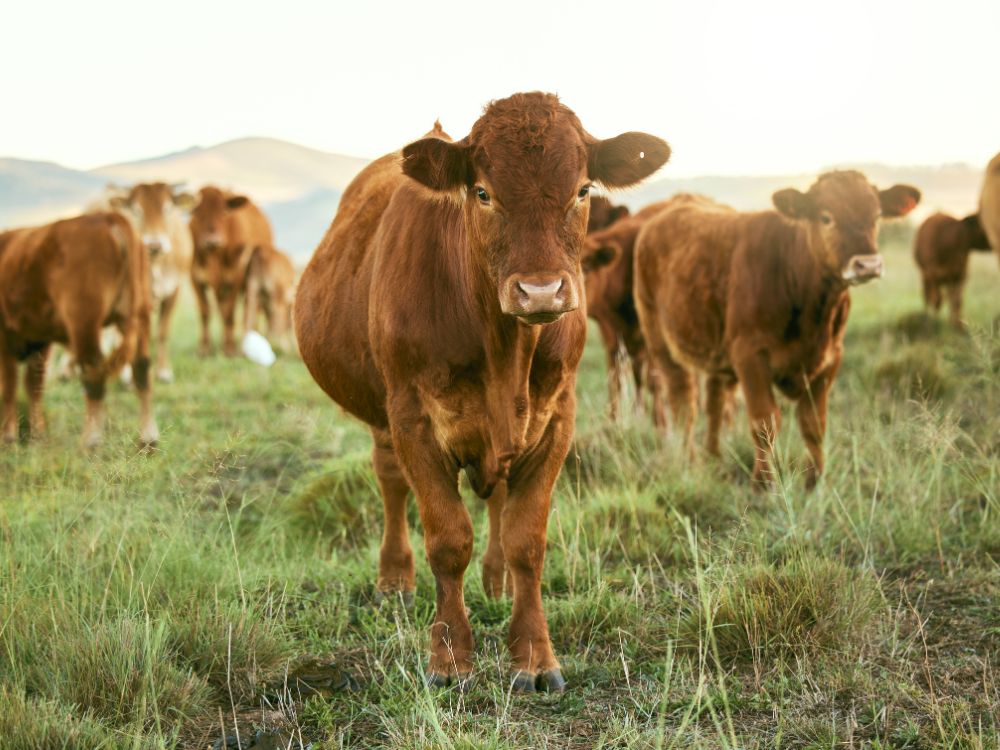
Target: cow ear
184, 201
625, 159
119, 202
972, 221
237, 201
793, 203
602, 256
619, 212
437, 164
898, 200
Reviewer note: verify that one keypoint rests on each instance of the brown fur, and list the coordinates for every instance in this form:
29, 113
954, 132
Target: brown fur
411, 317
989, 204
227, 229
271, 290
941, 250
759, 299
603, 213
62, 283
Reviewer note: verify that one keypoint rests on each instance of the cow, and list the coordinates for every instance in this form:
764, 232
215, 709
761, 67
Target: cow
603, 213
63, 283
270, 287
227, 230
155, 210
608, 260
443, 309
989, 204
941, 250
760, 299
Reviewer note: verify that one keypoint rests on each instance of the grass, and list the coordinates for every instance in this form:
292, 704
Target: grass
224, 584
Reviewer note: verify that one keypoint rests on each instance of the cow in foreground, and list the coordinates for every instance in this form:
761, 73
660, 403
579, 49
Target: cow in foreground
941, 250
989, 204
156, 211
270, 288
63, 283
443, 308
227, 230
760, 299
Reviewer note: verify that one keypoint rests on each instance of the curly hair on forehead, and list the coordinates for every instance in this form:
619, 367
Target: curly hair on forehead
528, 118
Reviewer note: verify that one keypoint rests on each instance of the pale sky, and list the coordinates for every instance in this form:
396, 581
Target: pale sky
735, 87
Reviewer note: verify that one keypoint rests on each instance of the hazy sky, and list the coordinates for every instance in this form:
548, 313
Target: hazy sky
735, 87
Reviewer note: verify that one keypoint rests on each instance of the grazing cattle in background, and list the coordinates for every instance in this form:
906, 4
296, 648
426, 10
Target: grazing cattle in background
989, 204
63, 283
941, 249
760, 299
271, 289
227, 230
603, 213
608, 261
443, 309
155, 210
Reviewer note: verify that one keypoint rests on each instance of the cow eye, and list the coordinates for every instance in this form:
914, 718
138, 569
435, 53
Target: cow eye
825, 219
584, 192
483, 196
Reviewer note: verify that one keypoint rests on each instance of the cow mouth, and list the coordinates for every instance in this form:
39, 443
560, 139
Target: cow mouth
540, 318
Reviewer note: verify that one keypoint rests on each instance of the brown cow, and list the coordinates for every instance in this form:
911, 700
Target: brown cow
227, 229
62, 283
760, 299
155, 210
443, 309
989, 204
603, 213
941, 249
271, 289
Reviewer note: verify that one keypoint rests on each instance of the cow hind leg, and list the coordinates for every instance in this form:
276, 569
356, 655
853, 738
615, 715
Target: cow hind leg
496, 578
955, 304
754, 375
396, 575
8, 373
682, 396
34, 385
718, 396
811, 415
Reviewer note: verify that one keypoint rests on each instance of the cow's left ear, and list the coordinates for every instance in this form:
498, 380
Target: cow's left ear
898, 200
625, 159
237, 201
438, 164
618, 212
793, 203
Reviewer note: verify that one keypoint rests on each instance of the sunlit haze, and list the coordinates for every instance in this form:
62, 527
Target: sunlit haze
735, 87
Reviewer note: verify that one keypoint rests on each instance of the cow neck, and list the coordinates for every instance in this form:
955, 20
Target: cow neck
813, 288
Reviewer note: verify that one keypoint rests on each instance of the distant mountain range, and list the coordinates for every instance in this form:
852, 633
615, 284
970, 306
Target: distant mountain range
300, 187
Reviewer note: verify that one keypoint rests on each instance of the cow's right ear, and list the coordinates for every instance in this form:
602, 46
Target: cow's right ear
437, 164
793, 203
184, 201
602, 256
237, 201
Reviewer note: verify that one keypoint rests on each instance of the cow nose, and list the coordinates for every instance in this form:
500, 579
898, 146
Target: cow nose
539, 298
863, 268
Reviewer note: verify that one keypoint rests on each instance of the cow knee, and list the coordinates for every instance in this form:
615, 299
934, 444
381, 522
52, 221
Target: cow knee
449, 553
140, 372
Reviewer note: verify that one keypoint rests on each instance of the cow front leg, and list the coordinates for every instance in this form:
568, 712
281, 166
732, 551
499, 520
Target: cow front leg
754, 375
396, 576
149, 433
93, 373
164, 372
496, 578
8, 372
205, 314
811, 415
954, 293
226, 297
448, 544
717, 397
34, 384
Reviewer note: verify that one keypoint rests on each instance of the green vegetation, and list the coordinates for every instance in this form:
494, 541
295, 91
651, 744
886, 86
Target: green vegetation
151, 601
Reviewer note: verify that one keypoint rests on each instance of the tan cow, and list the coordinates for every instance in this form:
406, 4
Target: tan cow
63, 283
271, 290
227, 230
156, 211
442, 308
989, 204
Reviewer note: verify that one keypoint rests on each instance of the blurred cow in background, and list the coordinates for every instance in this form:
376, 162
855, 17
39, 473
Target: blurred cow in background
989, 204
156, 209
63, 283
941, 250
270, 288
603, 213
227, 230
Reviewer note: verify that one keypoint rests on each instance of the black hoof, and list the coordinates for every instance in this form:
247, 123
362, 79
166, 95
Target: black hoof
550, 681
406, 597
462, 683
524, 682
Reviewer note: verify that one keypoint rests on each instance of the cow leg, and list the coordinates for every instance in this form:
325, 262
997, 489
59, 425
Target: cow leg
932, 295
8, 372
754, 375
955, 304
811, 415
611, 345
496, 578
164, 372
205, 311
86, 345
682, 395
523, 533
395, 566
654, 382
34, 384
719, 391
226, 300
149, 434
448, 544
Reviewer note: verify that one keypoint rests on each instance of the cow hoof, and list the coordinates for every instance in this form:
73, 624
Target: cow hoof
406, 597
461, 682
165, 375
549, 681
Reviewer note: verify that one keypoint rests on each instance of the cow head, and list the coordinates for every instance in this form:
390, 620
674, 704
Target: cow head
841, 211
975, 235
151, 206
603, 213
219, 259
523, 176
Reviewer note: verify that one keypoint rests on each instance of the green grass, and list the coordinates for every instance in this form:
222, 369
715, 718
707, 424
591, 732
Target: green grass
159, 601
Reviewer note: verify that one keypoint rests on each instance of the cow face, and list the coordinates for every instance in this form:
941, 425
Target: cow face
842, 211
219, 261
523, 176
150, 206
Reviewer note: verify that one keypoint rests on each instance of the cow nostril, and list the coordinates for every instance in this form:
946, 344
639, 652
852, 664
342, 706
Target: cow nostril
536, 289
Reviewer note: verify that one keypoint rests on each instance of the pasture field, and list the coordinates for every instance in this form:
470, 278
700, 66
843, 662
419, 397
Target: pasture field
224, 584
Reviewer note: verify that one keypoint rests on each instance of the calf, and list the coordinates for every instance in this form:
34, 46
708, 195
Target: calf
443, 309
760, 299
941, 250
227, 230
271, 289
155, 210
62, 283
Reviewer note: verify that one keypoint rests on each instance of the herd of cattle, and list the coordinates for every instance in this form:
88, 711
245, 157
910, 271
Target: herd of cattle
446, 308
